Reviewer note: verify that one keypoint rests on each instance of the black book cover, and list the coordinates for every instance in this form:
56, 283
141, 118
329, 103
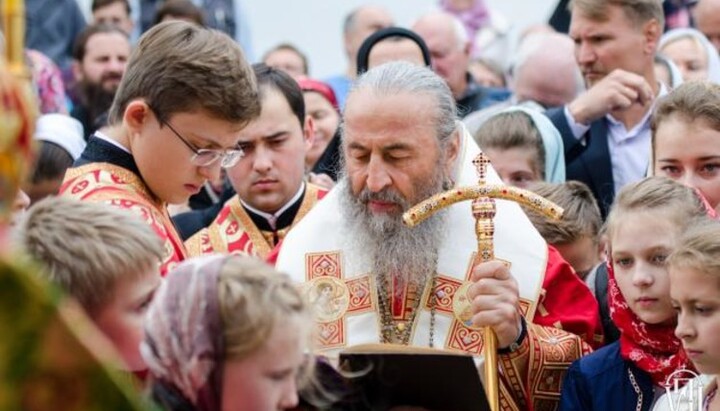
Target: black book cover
385, 376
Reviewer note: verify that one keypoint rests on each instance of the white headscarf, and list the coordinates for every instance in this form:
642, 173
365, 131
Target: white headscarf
62, 130
713, 59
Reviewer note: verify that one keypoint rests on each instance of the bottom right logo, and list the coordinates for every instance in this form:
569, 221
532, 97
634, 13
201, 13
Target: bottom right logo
684, 391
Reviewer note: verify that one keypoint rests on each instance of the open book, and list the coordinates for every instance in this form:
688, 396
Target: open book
383, 376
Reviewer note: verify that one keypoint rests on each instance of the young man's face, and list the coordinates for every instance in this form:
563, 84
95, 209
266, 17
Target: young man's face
617, 43
121, 318
106, 56
165, 161
115, 14
273, 166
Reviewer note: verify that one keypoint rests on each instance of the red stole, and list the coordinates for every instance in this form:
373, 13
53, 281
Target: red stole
119, 187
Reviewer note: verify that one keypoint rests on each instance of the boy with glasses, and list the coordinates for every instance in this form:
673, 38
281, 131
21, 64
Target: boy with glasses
174, 123
272, 194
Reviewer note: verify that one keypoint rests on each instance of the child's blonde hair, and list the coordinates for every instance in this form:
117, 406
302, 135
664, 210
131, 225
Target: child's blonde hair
581, 215
681, 203
254, 300
699, 248
87, 247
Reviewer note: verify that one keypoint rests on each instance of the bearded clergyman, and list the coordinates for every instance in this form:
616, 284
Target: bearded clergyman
381, 282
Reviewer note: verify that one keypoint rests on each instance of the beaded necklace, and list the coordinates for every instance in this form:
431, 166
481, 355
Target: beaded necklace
399, 332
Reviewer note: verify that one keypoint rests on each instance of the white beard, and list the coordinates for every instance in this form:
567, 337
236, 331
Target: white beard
393, 249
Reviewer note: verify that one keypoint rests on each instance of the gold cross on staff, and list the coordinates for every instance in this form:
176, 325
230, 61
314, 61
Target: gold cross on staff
483, 209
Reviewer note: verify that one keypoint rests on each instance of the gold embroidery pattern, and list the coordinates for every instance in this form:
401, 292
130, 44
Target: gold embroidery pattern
104, 182
260, 245
320, 264
444, 291
360, 295
331, 335
525, 305
464, 339
551, 353
514, 366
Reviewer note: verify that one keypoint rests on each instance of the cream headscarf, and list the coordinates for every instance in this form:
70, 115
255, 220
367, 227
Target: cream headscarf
713, 59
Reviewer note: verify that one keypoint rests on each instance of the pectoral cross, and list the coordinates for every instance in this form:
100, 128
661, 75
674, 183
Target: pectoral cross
483, 209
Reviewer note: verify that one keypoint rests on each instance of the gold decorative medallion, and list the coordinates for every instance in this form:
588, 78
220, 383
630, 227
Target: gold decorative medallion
461, 303
329, 298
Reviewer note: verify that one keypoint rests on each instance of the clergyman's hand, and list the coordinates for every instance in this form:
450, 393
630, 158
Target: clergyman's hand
619, 90
495, 301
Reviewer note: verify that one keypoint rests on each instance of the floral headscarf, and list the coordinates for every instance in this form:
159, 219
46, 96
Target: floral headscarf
184, 344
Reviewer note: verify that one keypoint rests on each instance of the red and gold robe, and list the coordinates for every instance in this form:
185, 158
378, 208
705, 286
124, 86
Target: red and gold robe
119, 187
233, 231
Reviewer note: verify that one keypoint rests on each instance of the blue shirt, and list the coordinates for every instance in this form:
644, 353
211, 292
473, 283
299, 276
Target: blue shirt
341, 86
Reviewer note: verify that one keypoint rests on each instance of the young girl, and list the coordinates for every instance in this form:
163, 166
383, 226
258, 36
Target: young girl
227, 333
523, 146
686, 137
642, 228
694, 269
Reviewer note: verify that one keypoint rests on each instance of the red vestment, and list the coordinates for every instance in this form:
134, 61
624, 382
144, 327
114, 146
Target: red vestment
119, 187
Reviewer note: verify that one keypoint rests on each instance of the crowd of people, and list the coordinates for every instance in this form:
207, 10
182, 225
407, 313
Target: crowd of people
206, 232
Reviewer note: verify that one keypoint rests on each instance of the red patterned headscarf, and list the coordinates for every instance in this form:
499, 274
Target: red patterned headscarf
308, 84
654, 348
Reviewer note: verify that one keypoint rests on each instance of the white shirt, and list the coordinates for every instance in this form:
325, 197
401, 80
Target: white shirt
106, 138
629, 149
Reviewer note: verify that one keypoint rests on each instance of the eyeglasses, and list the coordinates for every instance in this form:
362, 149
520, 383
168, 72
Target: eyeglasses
203, 157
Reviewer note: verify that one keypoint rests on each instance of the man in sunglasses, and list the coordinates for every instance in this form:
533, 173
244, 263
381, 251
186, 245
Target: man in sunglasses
175, 121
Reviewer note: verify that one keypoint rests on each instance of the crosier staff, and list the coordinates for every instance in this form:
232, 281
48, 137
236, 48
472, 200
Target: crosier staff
483, 209
13, 18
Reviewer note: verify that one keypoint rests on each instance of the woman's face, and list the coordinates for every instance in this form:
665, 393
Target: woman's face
689, 153
266, 379
326, 120
689, 56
